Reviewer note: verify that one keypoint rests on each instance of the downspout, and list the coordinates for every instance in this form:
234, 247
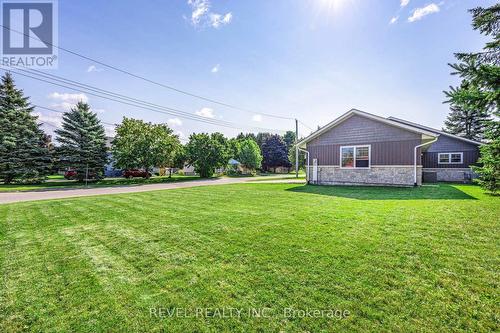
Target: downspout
415, 158
307, 163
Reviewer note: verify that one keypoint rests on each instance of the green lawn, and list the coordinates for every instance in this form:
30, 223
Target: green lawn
55, 182
397, 259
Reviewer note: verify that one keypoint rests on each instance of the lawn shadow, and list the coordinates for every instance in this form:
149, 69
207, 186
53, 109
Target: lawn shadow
426, 192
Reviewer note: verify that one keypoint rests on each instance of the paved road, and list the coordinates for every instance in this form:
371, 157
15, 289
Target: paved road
10, 197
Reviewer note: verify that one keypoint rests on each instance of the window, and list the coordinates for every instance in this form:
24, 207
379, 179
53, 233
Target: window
444, 158
456, 158
362, 157
450, 158
355, 157
347, 157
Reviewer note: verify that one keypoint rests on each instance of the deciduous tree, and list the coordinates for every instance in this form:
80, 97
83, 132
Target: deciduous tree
207, 152
249, 155
144, 145
274, 153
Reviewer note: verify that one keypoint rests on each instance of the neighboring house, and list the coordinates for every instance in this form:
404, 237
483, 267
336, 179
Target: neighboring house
188, 170
360, 148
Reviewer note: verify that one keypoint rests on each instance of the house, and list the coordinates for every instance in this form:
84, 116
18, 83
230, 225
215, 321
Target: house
360, 148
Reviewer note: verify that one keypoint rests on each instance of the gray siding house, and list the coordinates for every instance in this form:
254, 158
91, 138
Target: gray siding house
360, 148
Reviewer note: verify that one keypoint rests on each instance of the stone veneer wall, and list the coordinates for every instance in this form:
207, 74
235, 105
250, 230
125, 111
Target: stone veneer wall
451, 174
376, 175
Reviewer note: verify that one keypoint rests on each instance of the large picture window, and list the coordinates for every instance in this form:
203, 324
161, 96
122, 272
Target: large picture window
355, 157
450, 158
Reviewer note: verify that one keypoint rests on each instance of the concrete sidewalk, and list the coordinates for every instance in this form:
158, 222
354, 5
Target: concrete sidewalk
10, 197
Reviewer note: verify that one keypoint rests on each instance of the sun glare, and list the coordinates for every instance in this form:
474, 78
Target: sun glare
332, 5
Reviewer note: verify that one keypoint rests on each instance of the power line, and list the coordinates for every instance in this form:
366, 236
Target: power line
120, 96
306, 125
170, 111
148, 80
174, 112
136, 102
62, 112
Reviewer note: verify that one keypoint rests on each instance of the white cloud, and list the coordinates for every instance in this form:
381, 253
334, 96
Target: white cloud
202, 16
180, 134
217, 20
404, 3
394, 20
200, 9
93, 68
98, 110
174, 122
65, 101
64, 106
206, 112
215, 69
69, 98
54, 120
257, 117
419, 13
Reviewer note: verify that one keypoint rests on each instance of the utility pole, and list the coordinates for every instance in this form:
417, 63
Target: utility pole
296, 148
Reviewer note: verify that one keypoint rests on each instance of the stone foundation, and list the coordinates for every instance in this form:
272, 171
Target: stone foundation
376, 175
453, 174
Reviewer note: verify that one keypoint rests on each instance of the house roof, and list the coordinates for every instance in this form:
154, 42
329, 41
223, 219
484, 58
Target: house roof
433, 130
353, 112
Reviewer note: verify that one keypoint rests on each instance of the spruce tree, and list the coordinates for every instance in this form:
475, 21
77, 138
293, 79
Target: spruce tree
82, 142
469, 124
480, 90
24, 156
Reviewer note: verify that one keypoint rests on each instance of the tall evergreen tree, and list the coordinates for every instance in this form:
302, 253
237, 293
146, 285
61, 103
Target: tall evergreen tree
261, 138
289, 139
82, 142
481, 73
24, 156
469, 124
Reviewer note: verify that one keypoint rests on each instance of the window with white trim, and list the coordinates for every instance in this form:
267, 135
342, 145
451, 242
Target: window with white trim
450, 158
355, 156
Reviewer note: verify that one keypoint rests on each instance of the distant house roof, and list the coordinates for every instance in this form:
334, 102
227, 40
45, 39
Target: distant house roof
350, 113
406, 122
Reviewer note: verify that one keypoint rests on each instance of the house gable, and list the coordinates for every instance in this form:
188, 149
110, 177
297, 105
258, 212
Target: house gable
424, 134
389, 144
358, 129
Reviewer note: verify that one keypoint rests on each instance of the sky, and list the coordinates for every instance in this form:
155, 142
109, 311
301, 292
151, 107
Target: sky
312, 60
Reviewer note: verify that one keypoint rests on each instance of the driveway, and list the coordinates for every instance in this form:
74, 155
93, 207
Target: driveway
10, 197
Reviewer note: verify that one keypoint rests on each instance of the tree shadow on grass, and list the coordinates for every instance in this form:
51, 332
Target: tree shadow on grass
426, 192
